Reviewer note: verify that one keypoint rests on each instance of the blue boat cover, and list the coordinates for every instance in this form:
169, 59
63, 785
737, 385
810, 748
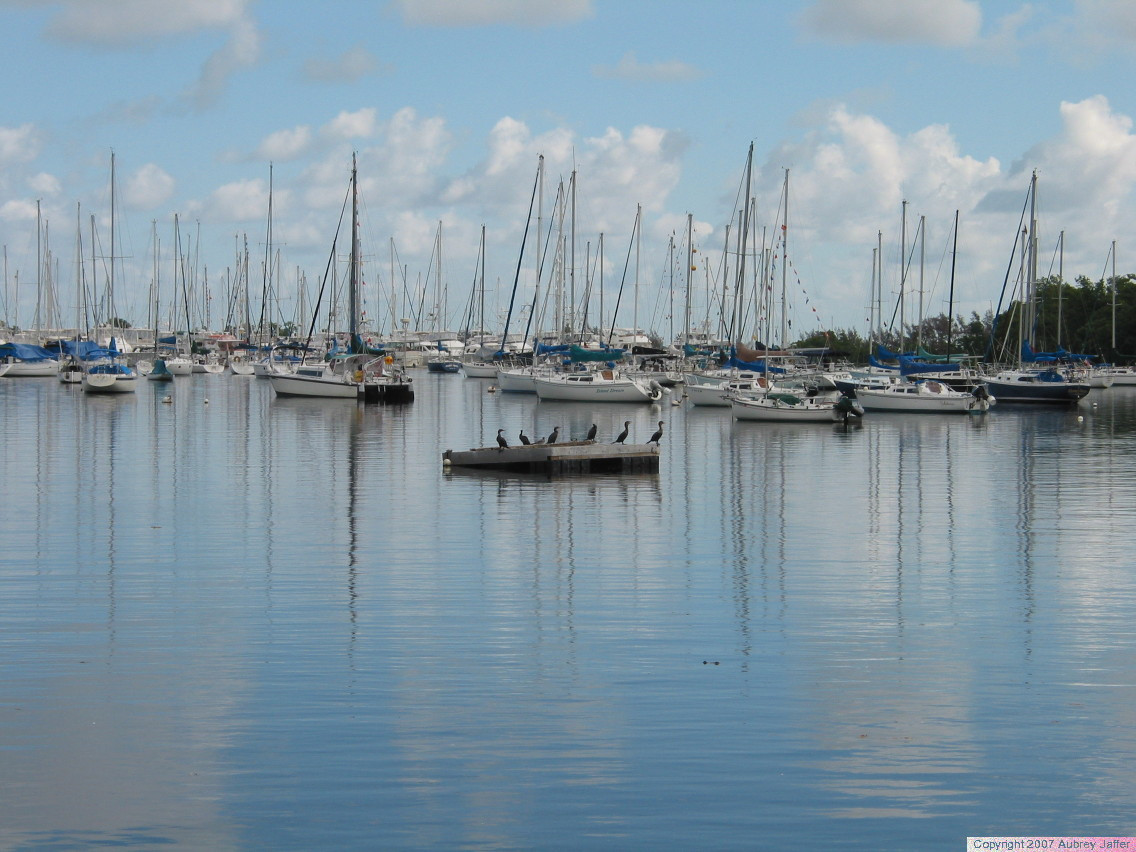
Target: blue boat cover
26, 352
910, 366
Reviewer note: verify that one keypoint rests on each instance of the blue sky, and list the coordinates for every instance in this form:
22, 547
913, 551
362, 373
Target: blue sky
949, 104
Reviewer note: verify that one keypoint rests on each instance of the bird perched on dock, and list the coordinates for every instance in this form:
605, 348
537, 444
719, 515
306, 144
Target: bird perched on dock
524, 438
555, 434
591, 433
658, 436
501, 442
622, 436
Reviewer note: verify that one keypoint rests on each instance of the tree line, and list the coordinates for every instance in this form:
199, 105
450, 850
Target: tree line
1086, 317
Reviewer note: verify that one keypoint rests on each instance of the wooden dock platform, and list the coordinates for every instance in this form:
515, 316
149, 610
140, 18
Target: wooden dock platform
570, 457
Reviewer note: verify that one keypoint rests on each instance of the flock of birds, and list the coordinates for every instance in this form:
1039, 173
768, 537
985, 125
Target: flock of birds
554, 436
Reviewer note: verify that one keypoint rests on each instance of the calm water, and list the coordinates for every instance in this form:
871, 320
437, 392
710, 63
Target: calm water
261, 623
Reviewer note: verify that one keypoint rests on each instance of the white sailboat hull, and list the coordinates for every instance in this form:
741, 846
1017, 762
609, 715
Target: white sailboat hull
922, 398
516, 381
110, 383
327, 387
595, 388
32, 369
775, 409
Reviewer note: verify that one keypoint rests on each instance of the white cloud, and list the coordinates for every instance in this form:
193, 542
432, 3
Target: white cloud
117, 22
629, 68
352, 125
241, 201
19, 144
18, 210
44, 184
349, 66
287, 144
149, 187
410, 155
949, 23
1089, 168
242, 50
458, 13
1116, 18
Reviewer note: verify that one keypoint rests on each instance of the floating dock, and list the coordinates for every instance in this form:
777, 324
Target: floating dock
396, 393
570, 457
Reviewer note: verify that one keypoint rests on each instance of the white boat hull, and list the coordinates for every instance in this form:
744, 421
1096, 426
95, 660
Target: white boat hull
516, 381
571, 388
179, 366
774, 408
479, 371
32, 369
719, 394
327, 387
109, 383
922, 398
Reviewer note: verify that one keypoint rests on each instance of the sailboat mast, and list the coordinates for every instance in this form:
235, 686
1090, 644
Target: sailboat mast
743, 237
922, 258
1031, 260
39, 265
353, 289
1114, 295
785, 268
1061, 288
951, 301
902, 275
671, 289
110, 290
572, 258
638, 242
689, 270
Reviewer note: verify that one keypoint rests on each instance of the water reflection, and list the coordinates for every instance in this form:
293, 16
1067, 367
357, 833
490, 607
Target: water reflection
251, 620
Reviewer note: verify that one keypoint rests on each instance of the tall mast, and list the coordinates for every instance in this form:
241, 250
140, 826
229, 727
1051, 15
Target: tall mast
743, 236
572, 258
902, 274
785, 267
951, 302
689, 270
638, 242
267, 259
1061, 289
671, 289
922, 257
110, 291
39, 265
1031, 259
1114, 295
353, 288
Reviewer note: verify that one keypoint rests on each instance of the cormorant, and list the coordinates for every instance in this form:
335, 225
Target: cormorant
658, 436
501, 442
622, 436
591, 433
555, 434
524, 438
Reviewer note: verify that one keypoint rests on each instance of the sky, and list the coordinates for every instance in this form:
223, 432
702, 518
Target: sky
858, 106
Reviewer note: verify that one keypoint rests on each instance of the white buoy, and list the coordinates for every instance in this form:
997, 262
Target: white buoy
1080, 419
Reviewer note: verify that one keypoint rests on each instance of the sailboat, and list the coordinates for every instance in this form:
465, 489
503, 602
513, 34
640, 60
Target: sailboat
1033, 379
362, 373
111, 374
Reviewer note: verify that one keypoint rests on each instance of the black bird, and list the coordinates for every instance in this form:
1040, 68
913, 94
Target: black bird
658, 436
501, 442
555, 434
524, 438
591, 433
622, 436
